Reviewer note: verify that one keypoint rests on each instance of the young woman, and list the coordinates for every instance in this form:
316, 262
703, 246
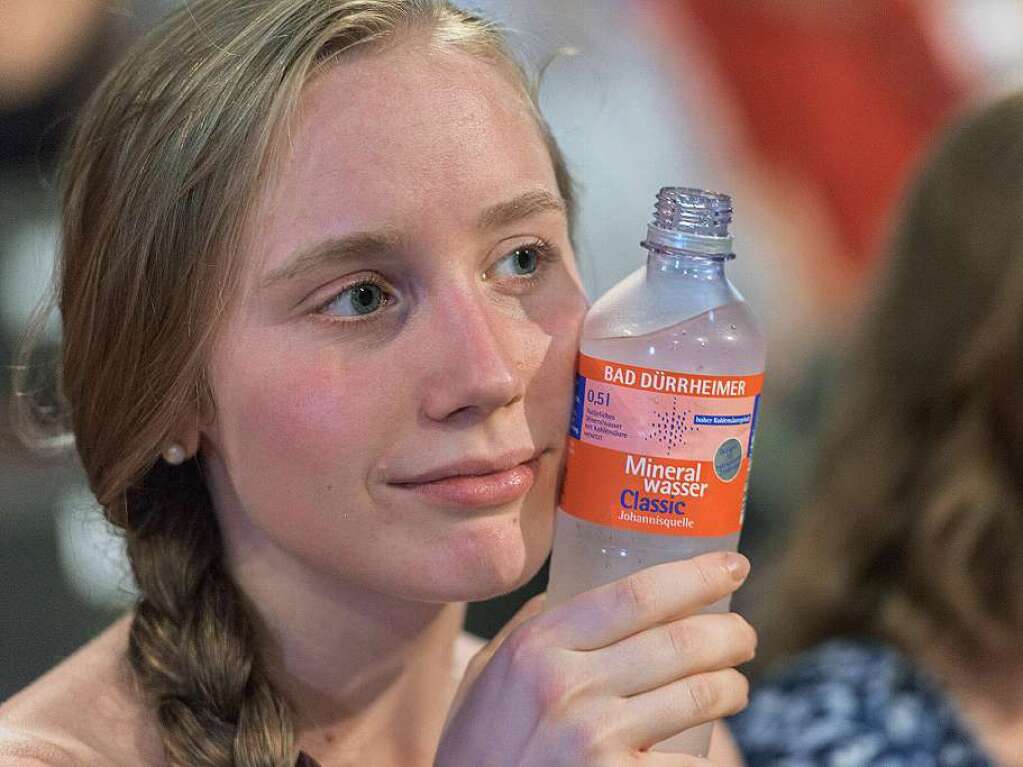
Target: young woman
903, 589
320, 311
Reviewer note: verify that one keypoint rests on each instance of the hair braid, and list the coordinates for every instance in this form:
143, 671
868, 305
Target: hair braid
159, 185
192, 643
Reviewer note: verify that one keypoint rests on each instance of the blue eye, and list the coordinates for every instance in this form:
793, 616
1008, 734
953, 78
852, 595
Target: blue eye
359, 299
528, 261
525, 260
366, 298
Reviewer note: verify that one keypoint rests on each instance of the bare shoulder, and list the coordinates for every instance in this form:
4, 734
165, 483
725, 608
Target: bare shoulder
469, 644
83, 712
466, 646
19, 748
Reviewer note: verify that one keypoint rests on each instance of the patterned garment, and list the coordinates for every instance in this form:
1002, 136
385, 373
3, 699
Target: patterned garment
848, 704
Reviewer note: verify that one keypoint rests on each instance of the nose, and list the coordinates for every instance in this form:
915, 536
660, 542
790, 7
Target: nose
473, 364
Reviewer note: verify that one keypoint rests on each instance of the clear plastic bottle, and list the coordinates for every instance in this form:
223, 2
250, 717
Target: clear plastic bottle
645, 436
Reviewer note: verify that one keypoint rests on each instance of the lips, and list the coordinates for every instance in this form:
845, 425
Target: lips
476, 483
472, 466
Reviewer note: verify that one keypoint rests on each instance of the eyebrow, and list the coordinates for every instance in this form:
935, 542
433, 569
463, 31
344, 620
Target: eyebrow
384, 242
517, 208
351, 247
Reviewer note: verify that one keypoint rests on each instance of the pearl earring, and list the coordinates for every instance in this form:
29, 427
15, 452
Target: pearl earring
174, 454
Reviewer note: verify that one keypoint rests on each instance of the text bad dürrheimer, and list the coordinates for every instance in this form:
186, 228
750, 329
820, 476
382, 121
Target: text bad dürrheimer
675, 383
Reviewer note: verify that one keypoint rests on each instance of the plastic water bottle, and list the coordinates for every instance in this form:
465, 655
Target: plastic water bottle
666, 401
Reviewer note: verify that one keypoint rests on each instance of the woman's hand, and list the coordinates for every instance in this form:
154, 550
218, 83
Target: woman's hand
601, 678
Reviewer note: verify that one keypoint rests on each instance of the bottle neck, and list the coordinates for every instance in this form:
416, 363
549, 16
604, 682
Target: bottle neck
675, 264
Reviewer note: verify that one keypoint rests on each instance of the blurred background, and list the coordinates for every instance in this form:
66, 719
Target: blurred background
810, 113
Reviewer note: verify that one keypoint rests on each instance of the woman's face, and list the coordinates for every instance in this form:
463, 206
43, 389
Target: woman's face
411, 308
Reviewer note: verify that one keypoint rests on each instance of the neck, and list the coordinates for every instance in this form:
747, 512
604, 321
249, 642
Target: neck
368, 677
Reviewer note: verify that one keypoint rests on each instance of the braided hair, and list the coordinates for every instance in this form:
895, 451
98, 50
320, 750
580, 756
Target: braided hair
159, 183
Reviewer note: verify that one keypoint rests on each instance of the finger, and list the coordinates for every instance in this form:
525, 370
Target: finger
660, 655
651, 717
646, 598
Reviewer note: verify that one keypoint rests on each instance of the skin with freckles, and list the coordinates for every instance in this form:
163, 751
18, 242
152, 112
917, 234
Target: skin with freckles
410, 301
320, 410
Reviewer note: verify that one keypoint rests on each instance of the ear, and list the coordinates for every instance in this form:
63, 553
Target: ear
185, 434
206, 410
197, 418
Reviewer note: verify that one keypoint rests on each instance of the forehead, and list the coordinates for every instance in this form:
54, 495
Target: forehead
393, 137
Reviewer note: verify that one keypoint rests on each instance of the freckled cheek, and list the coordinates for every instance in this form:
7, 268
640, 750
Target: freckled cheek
564, 325
553, 382
313, 419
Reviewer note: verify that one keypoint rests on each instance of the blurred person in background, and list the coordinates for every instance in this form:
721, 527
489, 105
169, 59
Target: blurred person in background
52, 55
320, 312
899, 612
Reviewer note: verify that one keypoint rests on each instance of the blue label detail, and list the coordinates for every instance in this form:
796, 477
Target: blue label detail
575, 428
728, 459
753, 427
722, 420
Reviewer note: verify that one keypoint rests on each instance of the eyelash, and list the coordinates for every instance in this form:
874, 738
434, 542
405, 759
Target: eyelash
547, 254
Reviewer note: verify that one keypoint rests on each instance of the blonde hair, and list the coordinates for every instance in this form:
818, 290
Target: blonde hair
158, 181
914, 533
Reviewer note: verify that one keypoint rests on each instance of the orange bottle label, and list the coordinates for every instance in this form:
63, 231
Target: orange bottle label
660, 452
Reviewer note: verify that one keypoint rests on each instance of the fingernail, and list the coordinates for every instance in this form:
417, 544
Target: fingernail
738, 566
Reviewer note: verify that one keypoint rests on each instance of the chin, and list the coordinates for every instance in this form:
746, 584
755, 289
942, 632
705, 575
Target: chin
490, 556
